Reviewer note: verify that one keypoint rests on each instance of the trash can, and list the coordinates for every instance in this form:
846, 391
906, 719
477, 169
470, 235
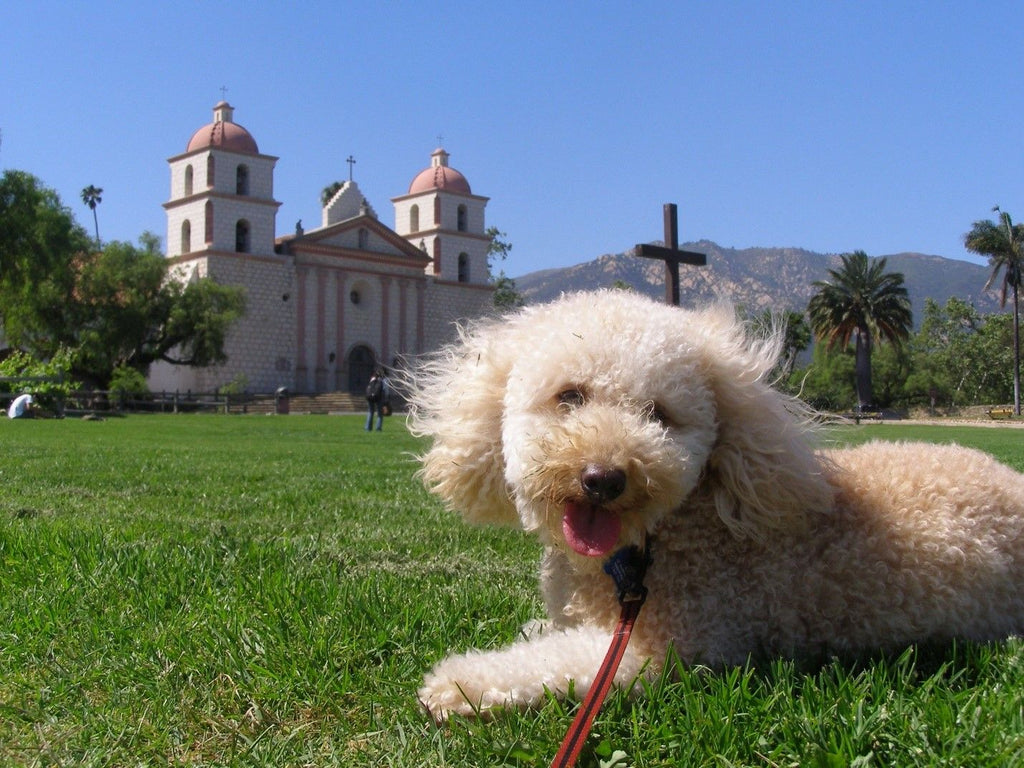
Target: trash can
281, 400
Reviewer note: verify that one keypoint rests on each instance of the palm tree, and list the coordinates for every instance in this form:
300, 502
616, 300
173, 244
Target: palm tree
863, 302
91, 197
1003, 243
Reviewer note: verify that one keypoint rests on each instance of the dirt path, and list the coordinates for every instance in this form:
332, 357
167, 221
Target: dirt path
953, 421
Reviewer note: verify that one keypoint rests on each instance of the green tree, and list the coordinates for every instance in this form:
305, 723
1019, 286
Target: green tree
111, 307
91, 197
891, 365
995, 344
939, 350
38, 237
945, 367
961, 357
864, 303
129, 314
1003, 243
506, 296
827, 384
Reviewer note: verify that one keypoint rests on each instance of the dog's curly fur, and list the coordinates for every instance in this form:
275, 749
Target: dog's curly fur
761, 545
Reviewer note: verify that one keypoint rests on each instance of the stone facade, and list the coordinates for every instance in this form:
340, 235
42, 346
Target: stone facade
323, 306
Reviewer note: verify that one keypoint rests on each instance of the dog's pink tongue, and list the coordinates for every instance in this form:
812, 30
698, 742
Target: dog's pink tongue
590, 530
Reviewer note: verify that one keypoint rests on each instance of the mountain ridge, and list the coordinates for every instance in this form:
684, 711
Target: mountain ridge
778, 278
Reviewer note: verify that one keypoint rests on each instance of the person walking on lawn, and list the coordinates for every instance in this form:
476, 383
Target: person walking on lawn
378, 398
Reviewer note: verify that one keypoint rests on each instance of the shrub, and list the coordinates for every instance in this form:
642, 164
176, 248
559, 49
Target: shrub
50, 382
129, 381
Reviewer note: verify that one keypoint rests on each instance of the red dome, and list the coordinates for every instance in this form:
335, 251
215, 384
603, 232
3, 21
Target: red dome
223, 134
439, 176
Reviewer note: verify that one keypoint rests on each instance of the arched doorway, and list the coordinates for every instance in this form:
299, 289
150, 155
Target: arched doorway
360, 368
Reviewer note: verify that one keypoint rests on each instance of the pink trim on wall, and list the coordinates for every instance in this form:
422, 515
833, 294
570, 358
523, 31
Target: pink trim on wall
321, 361
339, 341
301, 380
374, 258
403, 292
421, 289
209, 252
265, 202
385, 319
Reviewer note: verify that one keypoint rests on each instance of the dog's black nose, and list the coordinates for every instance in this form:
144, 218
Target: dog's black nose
602, 484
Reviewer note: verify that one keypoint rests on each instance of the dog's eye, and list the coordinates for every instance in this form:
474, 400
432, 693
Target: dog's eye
571, 398
656, 413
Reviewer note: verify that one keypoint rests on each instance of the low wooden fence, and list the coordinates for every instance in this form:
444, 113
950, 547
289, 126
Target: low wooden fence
80, 403
85, 402
100, 401
175, 402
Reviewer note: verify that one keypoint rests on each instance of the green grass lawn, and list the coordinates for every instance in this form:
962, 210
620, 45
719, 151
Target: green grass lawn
270, 590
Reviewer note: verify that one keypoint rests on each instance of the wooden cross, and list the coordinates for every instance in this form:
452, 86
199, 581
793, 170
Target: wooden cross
671, 255
351, 161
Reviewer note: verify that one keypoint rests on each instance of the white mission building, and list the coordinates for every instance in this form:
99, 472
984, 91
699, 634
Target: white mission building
324, 305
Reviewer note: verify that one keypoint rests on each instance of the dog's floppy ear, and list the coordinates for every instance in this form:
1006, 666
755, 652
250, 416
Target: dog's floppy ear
456, 398
763, 472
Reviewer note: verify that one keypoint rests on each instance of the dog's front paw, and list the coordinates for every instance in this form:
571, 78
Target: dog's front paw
448, 690
521, 675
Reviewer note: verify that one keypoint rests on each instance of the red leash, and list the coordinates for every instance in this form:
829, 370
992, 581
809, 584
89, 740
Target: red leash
627, 567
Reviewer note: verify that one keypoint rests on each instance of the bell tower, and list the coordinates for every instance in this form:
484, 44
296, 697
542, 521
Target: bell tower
441, 216
222, 192
221, 225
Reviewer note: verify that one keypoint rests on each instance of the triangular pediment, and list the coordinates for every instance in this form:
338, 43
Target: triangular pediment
361, 237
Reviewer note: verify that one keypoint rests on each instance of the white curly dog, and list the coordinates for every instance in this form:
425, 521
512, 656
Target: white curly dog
604, 418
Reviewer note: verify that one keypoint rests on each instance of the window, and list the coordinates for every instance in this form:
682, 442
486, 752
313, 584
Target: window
242, 236
209, 222
209, 170
186, 236
188, 180
461, 223
463, 268
364, 239
414, 219
242, 180
359, 292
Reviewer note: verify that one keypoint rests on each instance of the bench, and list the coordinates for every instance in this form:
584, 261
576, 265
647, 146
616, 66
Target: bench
1000, 412
859, 416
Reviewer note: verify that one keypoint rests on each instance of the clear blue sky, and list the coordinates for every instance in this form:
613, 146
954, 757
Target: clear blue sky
832, 126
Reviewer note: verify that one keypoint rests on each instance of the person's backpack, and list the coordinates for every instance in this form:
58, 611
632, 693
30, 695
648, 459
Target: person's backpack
374, 389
